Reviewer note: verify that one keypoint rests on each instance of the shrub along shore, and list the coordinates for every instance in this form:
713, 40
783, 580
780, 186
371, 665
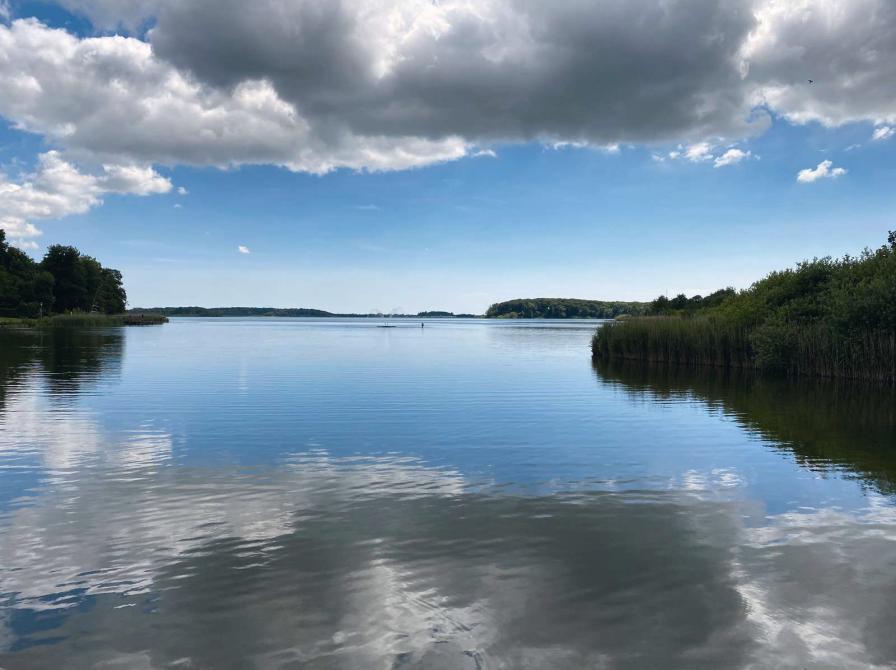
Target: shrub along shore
826, 317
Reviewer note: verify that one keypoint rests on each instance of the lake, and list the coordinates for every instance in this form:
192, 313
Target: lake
311, 493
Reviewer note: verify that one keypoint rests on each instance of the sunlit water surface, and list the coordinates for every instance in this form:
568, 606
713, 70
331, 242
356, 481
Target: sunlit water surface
288, 493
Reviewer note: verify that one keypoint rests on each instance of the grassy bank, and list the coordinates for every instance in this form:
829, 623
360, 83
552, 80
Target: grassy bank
85, 320
829, 318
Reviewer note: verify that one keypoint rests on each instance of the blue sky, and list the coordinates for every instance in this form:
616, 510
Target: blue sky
523, 218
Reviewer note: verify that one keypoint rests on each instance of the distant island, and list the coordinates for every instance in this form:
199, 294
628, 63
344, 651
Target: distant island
564, 308
826, 317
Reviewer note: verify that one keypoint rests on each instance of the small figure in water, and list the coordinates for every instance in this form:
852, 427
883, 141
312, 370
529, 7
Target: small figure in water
422, 324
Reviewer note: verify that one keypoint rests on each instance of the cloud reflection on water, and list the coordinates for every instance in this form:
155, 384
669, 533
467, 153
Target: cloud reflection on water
119, 555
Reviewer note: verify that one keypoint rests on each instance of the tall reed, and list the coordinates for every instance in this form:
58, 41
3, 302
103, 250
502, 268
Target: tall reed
810, 349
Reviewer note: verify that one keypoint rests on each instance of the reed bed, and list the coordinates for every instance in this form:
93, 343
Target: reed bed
811, 349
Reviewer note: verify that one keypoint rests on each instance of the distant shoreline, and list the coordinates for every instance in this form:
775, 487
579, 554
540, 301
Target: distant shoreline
522, 308
218, 312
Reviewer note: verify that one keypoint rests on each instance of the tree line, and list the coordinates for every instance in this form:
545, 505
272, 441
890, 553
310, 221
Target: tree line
563, 308
663, 306
65, 280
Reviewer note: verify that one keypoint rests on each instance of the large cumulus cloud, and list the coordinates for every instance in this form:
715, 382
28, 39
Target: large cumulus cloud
490, 70
316, 85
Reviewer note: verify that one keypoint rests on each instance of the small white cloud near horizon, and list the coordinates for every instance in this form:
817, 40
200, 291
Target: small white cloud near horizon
883, 133
485, 153
732, 157
243, 249
182, 191
821, 171
178, 206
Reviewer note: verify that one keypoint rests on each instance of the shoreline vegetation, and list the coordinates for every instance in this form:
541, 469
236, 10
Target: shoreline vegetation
84, 320
565, 308
65, 289
64, 282
826, 317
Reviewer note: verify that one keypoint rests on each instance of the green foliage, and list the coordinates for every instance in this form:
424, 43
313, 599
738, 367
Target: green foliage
64, 281
563, 308
111, 297
23, 286
663, 306
835, 318
70, 289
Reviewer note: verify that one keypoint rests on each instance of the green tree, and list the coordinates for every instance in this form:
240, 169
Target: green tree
64, 263
111, 296
24, 289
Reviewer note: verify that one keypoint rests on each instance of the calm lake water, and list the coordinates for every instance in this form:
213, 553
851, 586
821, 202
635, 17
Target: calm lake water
289, 493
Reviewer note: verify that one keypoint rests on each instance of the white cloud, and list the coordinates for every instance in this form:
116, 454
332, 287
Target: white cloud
697, 153
243, 249
134, 180
182, 191
883, 133
485, 153
703, 152
821, 171
731, 157
57, 189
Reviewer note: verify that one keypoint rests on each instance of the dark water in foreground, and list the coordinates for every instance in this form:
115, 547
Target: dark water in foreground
314, 494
